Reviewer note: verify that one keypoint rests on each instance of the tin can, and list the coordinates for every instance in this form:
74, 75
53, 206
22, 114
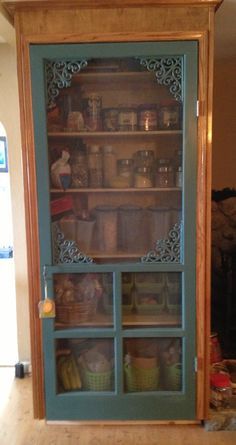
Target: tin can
147, 117
110, 119
127, 119
169, 115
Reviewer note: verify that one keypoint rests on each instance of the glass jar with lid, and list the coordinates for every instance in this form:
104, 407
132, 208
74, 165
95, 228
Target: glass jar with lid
95, 166
79, 167
144, 158
169, 115
109, 165
125, 170
143, 177
165, 173
147, 117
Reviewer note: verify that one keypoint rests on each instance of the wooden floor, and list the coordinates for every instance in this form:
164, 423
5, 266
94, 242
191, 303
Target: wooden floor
17, 427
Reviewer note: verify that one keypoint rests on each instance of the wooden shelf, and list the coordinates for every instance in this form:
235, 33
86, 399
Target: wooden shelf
117, 190
132, 320
112, 134
99, 76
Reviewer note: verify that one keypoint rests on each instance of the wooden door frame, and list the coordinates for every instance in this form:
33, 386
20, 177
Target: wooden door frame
205, 40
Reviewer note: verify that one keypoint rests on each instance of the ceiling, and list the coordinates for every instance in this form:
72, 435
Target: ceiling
225, 30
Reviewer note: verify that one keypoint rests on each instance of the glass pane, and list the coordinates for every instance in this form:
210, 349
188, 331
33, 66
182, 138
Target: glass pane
115, 161
151, 299
85, 365
83, 300
152, 364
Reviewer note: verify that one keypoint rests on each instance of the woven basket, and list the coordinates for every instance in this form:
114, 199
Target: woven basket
74, 313
141, 379
173, 377
97, 381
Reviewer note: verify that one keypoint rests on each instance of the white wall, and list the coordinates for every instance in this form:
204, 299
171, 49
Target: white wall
9, 116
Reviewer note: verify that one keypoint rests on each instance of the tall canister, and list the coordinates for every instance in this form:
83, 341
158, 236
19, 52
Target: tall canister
131, 229
106, 228
158, 224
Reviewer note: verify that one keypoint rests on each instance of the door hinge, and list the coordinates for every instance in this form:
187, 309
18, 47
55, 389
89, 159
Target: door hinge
197, 108
195, 364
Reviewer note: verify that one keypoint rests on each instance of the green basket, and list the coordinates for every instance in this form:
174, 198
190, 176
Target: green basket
173, 377
97, 381
141, 379
173, 306
149, 309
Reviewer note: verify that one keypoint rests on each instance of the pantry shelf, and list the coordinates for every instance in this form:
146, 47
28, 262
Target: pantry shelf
132, 320
112, 134
117, 190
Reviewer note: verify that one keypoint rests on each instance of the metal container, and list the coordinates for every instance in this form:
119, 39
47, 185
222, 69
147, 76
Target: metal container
147, 117
127, 119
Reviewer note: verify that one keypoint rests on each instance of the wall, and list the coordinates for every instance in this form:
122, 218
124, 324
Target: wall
9, 116
224, 127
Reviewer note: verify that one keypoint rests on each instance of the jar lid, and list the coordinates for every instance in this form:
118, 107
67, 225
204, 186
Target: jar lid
94, 149
108, 149
145, 153
129, 207
220, 380
143, 170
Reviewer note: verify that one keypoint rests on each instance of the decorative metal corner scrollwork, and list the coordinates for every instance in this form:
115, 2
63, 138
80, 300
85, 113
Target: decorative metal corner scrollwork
167, 250
66, 251
168, 72
59, 74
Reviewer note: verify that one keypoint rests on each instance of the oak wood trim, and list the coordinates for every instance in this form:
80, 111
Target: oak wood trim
208, 208
31, 218
112, 37
16, 5
203, 253
201, 226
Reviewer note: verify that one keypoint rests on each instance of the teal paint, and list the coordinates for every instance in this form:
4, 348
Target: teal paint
118, 405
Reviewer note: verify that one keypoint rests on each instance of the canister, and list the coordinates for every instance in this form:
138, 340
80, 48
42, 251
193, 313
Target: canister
169, 115
147, 117
92, 111
158, 224
106, 228
110, 119
127, 119
125, 170
164, 173
143, 177
95, 166
109, 165
131, 229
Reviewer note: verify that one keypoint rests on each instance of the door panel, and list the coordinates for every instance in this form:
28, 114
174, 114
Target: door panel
116, 149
